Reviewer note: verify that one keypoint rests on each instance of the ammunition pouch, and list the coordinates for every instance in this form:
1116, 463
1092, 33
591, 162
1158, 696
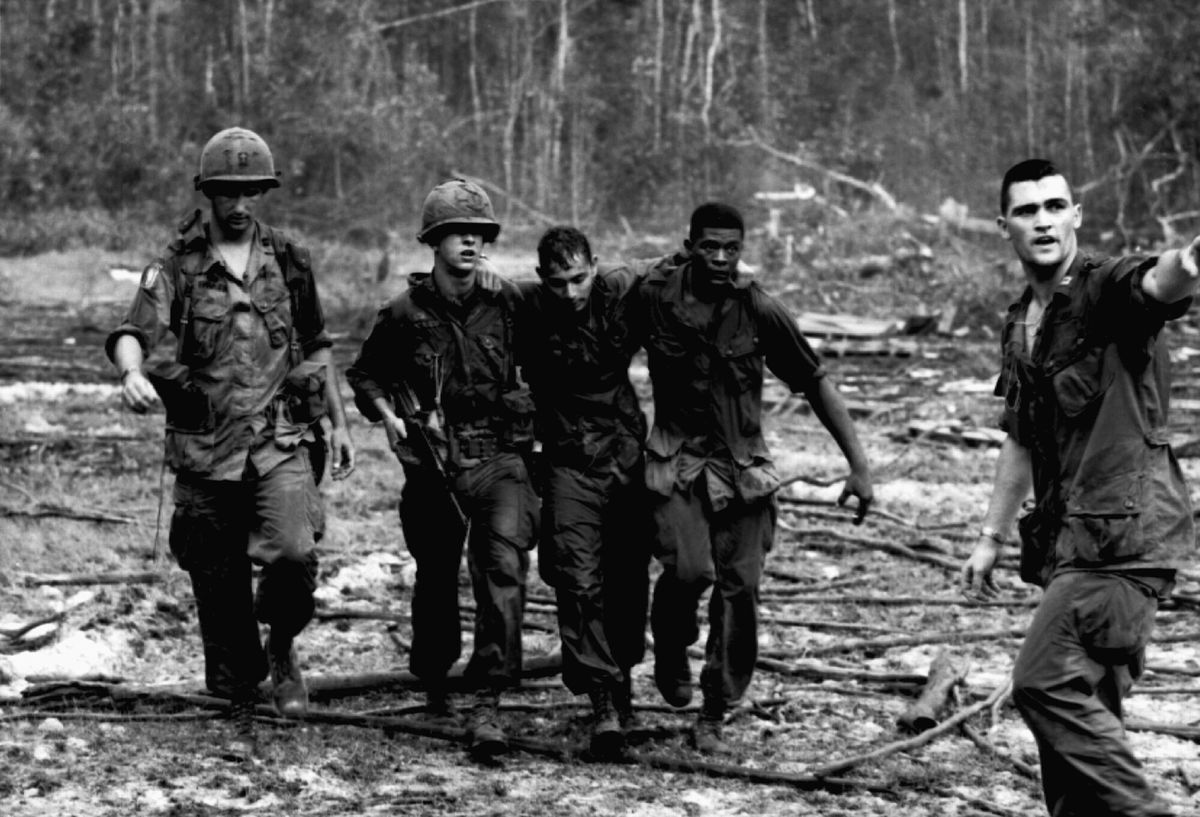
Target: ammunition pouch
474, 444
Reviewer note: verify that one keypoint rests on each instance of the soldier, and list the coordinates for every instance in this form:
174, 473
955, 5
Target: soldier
251, 378
1085, 379
594, 550
439, 371
709, 330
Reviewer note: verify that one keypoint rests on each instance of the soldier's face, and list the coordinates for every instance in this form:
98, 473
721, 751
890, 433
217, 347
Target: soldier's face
460, 251
1041, 222
234, 206
571, 283
715, 253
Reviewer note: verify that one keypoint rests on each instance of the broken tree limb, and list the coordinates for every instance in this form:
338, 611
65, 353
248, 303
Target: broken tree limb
962, 716
873, 189
1191, 733
945, 674
906, 601
987, 747
138, 577
44, 509
906, 551
824, 624
814, 669
947, 636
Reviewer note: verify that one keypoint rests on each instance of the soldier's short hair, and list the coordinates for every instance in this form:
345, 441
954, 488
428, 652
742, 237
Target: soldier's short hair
717, 215
560, 245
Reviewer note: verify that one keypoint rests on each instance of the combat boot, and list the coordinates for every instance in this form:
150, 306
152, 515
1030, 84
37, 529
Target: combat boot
486, 735
706, 735
622, 698
242, 745
290, 693
673, 674
438, 703
607, 739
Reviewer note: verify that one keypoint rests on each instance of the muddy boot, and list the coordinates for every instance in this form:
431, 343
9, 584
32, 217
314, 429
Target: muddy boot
607, 739
673, 675
438, 703
486, 735
707, 733
290, 693
242, 745
622, 698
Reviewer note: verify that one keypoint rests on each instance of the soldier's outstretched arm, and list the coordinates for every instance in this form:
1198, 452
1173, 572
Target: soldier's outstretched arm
830, 408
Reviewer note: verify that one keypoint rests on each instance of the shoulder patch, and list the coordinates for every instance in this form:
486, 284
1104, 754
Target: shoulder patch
150, 275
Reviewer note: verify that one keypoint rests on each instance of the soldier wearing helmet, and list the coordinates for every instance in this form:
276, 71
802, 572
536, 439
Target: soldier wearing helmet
245, 391
439, 372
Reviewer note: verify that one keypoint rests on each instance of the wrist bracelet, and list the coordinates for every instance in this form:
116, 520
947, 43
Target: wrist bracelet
993, 534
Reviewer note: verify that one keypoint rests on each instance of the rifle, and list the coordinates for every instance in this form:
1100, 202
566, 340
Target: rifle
428, 455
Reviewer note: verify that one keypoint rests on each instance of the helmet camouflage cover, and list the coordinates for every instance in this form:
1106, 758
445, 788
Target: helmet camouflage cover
236, 155
455, 202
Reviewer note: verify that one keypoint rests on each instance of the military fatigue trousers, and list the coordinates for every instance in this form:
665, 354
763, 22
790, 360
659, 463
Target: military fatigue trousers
724, 549
499, 501
1083, 651
595, 553
218, 531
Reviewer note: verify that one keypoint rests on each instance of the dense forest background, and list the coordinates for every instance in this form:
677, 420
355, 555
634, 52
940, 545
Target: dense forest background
613, 114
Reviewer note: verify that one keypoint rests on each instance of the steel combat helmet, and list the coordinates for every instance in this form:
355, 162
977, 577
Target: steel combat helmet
457, 201
236, 155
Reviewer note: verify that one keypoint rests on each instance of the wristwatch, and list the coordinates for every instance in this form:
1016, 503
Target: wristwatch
993, 534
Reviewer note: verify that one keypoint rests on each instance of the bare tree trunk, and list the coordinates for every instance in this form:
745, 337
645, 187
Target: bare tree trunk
243, 105
660, 34
152, 72
1085, 102
809, 13
764, 69
710, 61
897, 56
964, 79
1030, 90
473, 77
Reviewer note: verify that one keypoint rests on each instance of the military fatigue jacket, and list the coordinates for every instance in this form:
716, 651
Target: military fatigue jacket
708, 377
1090, 403
456, 360
236, 347
577, 367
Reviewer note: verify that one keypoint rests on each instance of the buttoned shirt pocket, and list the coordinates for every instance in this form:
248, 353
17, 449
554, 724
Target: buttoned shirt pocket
272, 303
209, 314
1104, 522
1079, 386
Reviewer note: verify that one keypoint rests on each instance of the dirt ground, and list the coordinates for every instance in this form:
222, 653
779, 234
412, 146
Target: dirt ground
95, 708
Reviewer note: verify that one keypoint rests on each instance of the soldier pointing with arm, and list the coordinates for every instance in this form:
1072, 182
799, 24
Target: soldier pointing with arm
1085, 380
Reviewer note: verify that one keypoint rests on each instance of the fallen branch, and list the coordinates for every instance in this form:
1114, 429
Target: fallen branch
140, 577
1191, 733
911, 743
905, 601
874, 544
948, 636
945, 675
823, 624
44, 509
986, 746
812, 669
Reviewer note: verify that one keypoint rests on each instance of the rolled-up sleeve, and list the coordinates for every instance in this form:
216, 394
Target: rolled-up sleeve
153, 313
